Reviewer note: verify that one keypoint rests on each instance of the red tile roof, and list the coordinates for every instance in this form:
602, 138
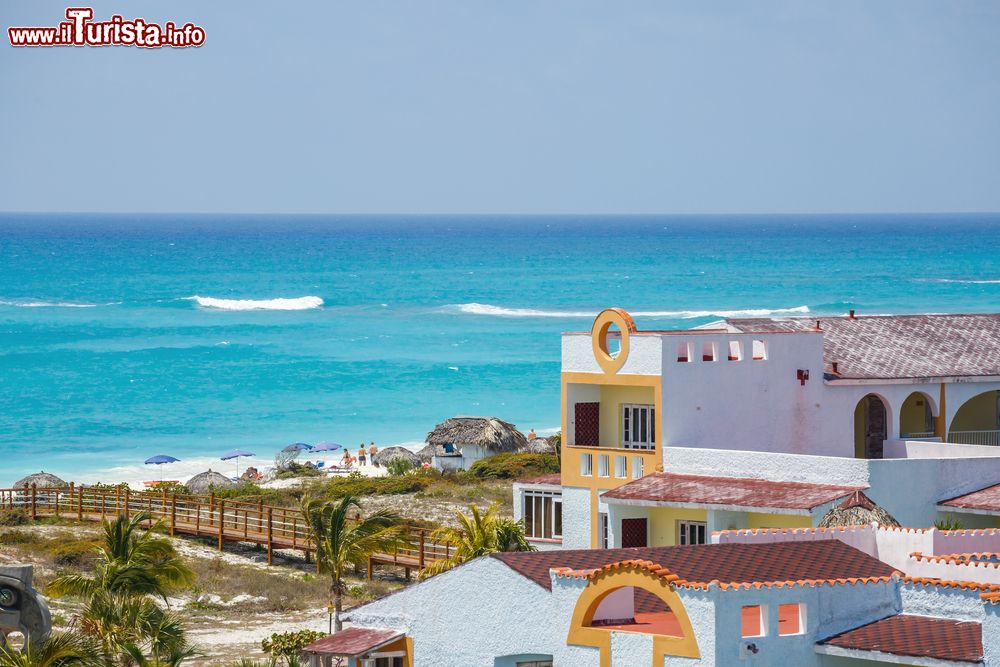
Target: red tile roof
898, 346
353, 641
918, 636
983, 499
667, 487
555, 478
704, 563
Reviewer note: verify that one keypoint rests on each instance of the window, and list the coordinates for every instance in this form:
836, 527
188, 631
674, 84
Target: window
586, 465
602, 525
537, 663
602, 466
791, 619
638, 426
621, 467
754, 621
760, 350
708, 352
683, 352
542, 514
395, 661
637, 465
691, 532
735, 350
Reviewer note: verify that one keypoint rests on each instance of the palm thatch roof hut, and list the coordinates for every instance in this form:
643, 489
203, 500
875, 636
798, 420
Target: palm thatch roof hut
539, 446
494, 435
42, 480
204, 482
857, 510
383, 456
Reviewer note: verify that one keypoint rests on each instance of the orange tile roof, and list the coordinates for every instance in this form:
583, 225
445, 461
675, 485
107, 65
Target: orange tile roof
353, 641
664, 487
916, 636
987, 498
554, 478
727, 565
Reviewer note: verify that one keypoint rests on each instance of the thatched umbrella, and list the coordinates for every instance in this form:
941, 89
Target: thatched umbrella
857, 510
538, 446
42, 480
204, 482
383, 456
495, 435
425, 454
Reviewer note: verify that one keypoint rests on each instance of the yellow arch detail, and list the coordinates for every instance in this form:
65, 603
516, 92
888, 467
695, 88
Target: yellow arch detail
604, 582
599, 338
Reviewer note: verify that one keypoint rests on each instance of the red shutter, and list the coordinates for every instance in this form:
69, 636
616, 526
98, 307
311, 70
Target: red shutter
633, 533
588, 424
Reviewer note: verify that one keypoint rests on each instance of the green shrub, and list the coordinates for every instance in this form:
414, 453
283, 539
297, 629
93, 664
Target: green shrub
75, 552
399, 466
948, 523
20, 537
515, 466
289, 645
293, 469
373, 486
14, 517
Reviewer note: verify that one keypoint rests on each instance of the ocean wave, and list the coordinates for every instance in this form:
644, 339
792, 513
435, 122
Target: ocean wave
500, 311
299, 303
26, 303
961, 282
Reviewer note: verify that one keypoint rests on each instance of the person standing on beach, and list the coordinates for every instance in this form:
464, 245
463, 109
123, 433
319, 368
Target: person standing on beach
361, 455
372, 451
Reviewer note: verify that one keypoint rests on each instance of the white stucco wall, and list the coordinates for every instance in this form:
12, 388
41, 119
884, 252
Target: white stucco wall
941, 602
576, 517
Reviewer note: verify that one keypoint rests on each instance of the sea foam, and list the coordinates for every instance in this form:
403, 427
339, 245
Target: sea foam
500, 311
300, 303
53, 304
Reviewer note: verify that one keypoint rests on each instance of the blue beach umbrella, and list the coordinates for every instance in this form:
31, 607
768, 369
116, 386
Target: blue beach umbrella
326, 447
160, 459
236, 454
297, 447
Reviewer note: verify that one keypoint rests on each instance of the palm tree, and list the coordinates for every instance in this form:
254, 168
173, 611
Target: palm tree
122, 621
174, 659
132, 561
480, 534
62, 650
341, 542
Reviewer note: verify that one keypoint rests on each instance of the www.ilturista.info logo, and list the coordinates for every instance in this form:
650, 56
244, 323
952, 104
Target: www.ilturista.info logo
81, 30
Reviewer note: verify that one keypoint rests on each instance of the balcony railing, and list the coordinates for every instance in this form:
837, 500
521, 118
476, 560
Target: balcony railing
919, 435
630, 446
991, 437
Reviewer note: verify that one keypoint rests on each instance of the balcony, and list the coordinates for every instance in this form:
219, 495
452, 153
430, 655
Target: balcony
987, 437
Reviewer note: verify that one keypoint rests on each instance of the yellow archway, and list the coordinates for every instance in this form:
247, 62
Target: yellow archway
642, 575
609, 363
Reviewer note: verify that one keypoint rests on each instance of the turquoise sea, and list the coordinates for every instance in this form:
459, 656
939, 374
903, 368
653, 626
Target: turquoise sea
127, 336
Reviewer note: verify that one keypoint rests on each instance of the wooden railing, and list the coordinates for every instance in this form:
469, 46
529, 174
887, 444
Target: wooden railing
223, 519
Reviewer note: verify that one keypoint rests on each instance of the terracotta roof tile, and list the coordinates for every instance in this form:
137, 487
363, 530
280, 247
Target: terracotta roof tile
731, 564
731, 491
353, 641
917, 636
983, 499
898, 346
555, 478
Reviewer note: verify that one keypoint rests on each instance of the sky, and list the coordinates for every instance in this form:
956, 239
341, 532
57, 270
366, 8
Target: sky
511, 106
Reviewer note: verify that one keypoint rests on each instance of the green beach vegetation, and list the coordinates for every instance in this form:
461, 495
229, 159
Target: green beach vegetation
480, 533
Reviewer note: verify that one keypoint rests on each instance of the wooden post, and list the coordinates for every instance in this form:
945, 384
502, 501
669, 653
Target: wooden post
369, 568
211, 507
260, 515
197, 518
34, 501
173, 514
295, 530
72, 495
423, 534
104, 510
127, 491
57, 502
270, 558
246, 523
222, 522
79, 504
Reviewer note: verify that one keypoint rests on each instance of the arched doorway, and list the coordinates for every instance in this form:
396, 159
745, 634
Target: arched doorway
871, 423
916, 416
977, 422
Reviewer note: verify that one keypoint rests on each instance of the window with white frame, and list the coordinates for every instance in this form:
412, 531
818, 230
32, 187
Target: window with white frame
637, 466
638, 426
621, 467
542, 514
536, 663
586, 465
691, 532
603, 466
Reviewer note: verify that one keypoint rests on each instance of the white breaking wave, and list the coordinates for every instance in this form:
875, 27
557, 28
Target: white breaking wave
500, 311
300, 303
966, 282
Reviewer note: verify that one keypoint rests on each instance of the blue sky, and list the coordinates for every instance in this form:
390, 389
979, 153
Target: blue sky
512, 106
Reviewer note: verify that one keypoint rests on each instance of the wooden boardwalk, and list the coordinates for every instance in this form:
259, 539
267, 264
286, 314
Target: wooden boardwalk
224, 520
